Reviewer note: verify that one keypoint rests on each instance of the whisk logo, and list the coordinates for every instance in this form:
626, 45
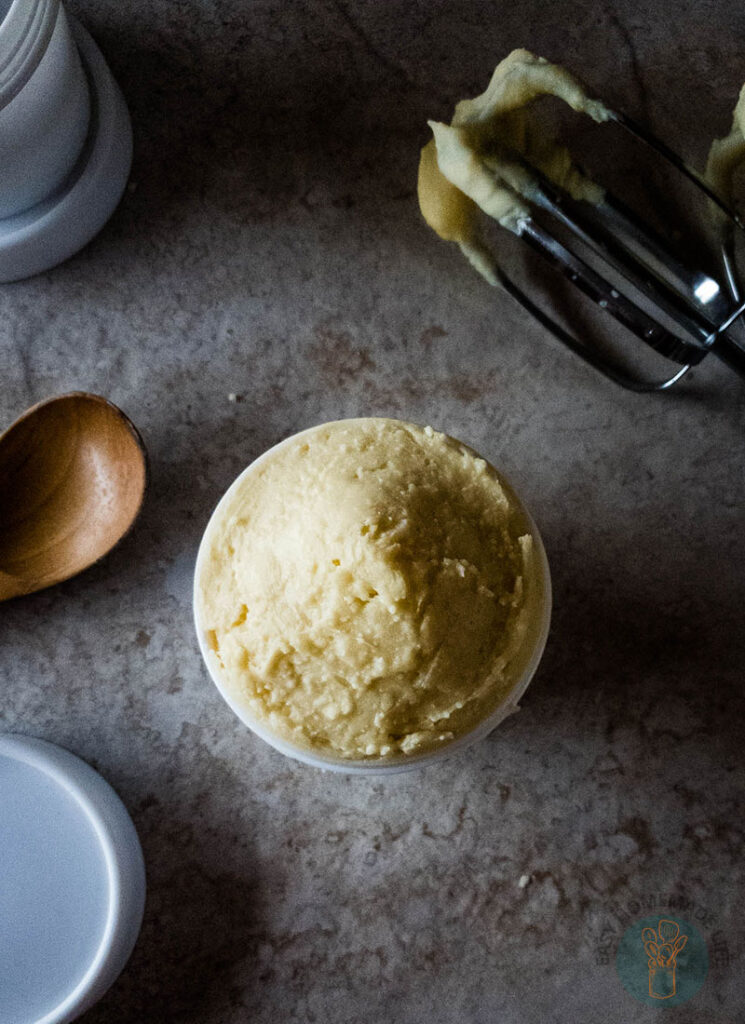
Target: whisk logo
662, 961
662, 948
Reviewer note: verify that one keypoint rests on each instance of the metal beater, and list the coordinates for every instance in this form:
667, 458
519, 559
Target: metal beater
689, 311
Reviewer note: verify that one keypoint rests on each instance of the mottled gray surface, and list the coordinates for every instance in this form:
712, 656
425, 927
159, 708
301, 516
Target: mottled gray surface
270, 246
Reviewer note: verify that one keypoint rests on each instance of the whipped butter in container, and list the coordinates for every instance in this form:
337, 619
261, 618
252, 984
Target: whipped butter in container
371, 595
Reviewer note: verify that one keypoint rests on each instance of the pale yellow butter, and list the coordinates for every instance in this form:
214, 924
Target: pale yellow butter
728, 154
467, 170
370, 589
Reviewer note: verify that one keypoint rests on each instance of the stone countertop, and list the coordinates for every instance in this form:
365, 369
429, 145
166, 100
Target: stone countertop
270, 247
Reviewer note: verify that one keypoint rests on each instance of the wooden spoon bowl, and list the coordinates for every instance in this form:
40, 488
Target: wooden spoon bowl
73, 473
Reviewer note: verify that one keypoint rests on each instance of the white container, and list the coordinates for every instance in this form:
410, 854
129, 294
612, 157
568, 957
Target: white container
65, 137
384, 766
72, 884
45, 104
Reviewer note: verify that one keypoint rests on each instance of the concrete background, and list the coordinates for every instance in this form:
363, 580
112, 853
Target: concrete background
270, 246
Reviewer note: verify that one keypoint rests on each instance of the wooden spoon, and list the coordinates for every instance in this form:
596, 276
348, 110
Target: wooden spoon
73, 473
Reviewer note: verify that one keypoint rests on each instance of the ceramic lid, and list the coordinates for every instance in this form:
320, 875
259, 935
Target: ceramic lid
72, 883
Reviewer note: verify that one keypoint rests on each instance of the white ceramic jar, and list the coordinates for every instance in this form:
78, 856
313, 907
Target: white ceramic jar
65, 137
44, 103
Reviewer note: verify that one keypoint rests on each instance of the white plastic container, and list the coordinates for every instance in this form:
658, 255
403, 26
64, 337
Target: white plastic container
72, 883
383, 766
65, 137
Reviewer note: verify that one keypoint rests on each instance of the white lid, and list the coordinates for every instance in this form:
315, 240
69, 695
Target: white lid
72, 884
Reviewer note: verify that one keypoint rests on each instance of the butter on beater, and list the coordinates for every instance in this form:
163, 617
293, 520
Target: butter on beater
370, 590
466, 170
728, 154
